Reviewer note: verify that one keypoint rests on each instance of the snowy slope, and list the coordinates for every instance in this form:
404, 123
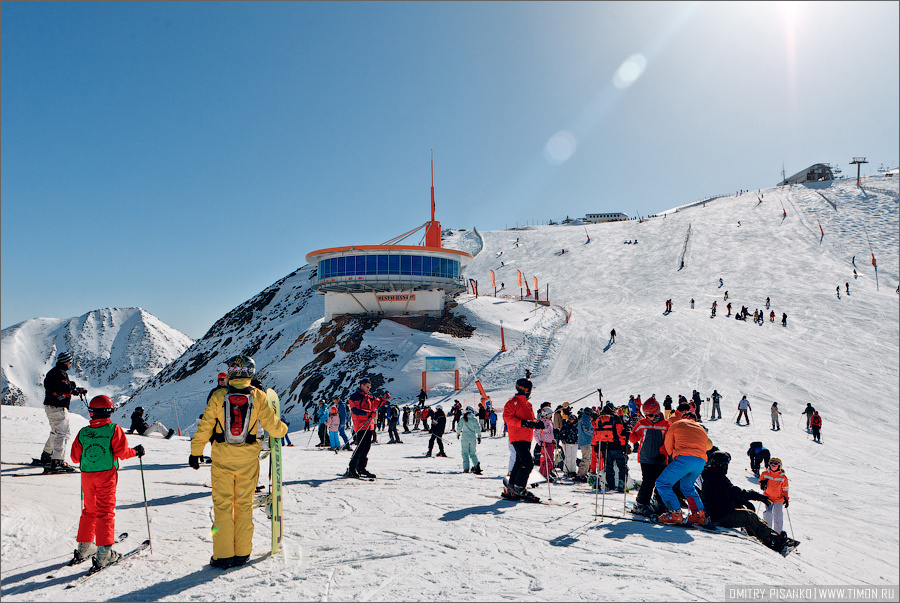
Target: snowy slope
431, 535
116, 350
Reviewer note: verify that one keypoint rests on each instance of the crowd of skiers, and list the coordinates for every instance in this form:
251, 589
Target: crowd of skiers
759, 316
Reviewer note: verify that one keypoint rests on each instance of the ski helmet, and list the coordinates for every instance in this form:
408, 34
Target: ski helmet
546, 411
720, 459
241, 367
65, 358
100, 407
469, 409
651, 406
524, 385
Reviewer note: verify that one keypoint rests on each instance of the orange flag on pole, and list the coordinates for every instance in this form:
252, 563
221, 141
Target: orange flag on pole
519, 278
493, 284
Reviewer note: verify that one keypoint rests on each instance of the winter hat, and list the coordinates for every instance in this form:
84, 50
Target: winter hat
222, 376
651, 406
438, 407
565, 405
65, 358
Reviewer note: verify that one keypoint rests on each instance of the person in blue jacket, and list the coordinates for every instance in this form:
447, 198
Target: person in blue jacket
585, 439
342, 415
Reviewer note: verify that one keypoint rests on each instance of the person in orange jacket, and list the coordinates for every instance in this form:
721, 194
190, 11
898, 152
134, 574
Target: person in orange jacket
774, 484
686, 442
521, 423
98, 448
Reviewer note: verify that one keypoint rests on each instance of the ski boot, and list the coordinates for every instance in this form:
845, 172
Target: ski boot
671, 518
642, 509
508, 494
466, 470
85, 551
441, 454
525, 495
44, 461
57, 466
477, 469
366, 474
698, 518
105, 556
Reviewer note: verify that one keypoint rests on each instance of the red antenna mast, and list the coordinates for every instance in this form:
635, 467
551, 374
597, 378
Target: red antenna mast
432, 185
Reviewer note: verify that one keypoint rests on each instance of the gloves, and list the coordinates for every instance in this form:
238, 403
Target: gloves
786, 501
387, 395
763, 483
479, 441
534, 424
139, 450
194, 461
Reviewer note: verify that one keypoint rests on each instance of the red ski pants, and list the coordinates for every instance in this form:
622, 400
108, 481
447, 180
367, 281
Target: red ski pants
98, 518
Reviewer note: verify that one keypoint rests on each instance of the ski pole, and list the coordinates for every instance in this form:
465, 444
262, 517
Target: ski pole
546, 462
585, 396
146, 507
750, 412
788, 513
596, 480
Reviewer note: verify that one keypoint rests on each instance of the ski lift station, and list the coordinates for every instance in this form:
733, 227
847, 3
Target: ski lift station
599, 218
814, 173
390, 279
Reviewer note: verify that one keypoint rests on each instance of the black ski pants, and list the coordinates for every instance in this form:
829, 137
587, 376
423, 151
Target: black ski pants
392, 432
522, 466
649, 473
360, 458
440, 443
750, 521
323, 435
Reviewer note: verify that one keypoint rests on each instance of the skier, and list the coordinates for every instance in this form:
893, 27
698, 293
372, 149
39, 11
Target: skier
783, 319
422, 397
332, 426
456, 411
612, 436
726, 299
816, 423
342, 417
58, 392
650, 435
759, 457
306, 420
232, 427
743, 407
667, 406
767, 303
585, 438
692, 303
139, 425
363, 407
686, 442
469, 435
406, 419
543, 437
776, 424
728, 307
698, 406
721, 282
848, 288
568, 440
98, 448
774, 484
772, 316
492, 418
809, 411
393, 419
727, 505
438, 424
519, 417
612, 336
716, 396
220, 382
322, 415
838, 289
426, 413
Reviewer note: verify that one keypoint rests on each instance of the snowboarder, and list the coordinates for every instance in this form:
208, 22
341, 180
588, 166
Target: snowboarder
716, 396
774, 484
721, 282
759, 457
98, 447
139, 425
438, 424
363, 408
776, 424
230, 422
743, 407
809, 411
687, 443
727, 505
469, 435
838, 289
816, 423
726, 298
650, 434
519, 417
58, 392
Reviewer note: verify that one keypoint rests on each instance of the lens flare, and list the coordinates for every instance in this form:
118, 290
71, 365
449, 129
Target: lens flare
560, 147
629, 71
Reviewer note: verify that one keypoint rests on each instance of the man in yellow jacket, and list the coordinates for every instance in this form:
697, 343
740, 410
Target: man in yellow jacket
230, 422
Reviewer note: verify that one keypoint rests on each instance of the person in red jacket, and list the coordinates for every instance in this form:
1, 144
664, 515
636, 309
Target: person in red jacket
98, 448
521, 423
363, 410
815, 422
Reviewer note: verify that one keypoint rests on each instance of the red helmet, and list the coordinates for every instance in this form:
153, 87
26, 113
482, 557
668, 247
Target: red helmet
651, 406
101, 403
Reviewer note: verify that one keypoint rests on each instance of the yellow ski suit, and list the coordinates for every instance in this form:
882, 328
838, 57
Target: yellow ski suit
235, 469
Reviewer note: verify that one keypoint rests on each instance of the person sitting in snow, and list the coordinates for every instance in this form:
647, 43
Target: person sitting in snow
139, 425
730, 507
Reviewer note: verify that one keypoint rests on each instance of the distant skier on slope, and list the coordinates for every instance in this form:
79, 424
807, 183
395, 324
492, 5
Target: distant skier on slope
809, 411
816, 423
743, 408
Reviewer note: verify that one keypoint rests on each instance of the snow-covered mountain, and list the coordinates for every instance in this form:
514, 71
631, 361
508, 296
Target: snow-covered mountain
116, 350
432, 534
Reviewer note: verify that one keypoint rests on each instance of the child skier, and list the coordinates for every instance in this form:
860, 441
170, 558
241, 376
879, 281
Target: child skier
468, 433
774, 484
332, 425
544, 437
98, 448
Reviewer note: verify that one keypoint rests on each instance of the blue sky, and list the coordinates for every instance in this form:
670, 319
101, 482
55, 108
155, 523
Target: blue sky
181, 157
